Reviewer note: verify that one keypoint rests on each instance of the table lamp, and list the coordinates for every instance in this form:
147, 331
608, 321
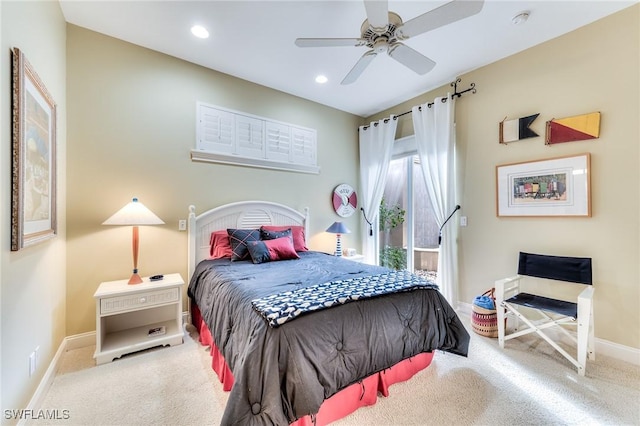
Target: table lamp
134, 214
338, 228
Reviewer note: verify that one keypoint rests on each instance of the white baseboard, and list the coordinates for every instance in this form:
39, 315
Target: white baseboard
76, 341
603, 347
617, 351
47, 380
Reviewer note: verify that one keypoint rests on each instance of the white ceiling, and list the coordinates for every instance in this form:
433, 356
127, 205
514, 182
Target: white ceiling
254, 40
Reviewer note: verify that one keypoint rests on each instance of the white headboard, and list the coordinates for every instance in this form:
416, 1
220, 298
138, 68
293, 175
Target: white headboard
241, 215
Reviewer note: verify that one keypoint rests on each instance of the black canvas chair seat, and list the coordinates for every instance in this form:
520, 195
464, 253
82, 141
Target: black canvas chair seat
533, 301
509, 300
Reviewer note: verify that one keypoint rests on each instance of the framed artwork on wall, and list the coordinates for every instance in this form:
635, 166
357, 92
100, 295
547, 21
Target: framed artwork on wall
551, 187
33, 164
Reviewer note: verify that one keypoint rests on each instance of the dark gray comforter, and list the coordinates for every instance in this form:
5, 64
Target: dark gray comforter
284, 373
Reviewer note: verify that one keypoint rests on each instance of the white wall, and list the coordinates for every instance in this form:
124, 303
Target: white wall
32, 280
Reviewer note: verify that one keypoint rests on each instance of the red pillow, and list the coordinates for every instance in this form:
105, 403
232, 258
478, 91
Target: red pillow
281, 249
271, 250
219, 245
297, 231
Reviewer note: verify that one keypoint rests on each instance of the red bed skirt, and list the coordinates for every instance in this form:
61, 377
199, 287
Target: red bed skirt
342, 403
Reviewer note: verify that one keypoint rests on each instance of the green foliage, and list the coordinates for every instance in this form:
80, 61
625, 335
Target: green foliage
390, 216
393, 257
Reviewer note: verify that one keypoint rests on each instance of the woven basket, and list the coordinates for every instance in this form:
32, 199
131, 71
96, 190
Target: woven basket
484, 321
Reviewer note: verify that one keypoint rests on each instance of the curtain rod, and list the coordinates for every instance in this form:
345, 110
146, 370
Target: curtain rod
454, 84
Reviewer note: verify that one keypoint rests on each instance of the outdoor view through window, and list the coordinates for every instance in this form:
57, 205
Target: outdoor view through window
406, 245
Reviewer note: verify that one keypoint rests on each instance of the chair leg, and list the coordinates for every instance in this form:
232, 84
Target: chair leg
500, 311
591, 354
585, 333
507, 285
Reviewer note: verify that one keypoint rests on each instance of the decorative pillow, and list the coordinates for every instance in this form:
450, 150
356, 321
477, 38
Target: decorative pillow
272, 235
272, 250
239, 239
219, 245
297, 231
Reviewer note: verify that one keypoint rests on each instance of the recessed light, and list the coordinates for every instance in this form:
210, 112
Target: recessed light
199, 31
520, 18
321, 79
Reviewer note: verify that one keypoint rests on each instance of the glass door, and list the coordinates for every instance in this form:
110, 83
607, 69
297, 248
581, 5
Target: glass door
408, 230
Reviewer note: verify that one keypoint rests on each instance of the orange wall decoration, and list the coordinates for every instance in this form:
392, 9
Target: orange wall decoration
576, 128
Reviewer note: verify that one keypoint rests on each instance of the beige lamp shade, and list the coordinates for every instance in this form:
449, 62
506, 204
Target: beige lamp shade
134, 214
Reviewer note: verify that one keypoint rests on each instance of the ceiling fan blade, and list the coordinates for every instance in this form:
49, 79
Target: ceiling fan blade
329, 42
359, 67
377, 13
439, 17
410, 58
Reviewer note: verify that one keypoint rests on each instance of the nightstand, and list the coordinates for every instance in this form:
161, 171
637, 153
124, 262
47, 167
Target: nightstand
355, 258
127, 315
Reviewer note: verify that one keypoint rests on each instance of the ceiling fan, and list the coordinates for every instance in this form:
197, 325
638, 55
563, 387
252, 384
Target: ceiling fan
384, 30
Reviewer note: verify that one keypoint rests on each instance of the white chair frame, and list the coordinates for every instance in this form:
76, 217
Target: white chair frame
585, 348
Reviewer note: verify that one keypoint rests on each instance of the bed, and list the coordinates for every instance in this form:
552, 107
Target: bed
305, 338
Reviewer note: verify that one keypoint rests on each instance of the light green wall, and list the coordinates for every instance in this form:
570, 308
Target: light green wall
32, 280
595, 68
131, 128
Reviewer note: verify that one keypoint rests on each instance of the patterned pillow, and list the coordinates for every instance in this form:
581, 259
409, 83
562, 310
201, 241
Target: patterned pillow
266, 234
239, 238
272, 250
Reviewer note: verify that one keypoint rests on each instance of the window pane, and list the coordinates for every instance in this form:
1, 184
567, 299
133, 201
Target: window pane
425, 227
393, 217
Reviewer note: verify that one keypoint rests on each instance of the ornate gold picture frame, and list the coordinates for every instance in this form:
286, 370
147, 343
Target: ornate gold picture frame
33, 166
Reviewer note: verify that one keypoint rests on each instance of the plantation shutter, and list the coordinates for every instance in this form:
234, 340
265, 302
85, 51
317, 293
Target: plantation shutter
249, 137
278, 142
216, 130
232, 137
304, 146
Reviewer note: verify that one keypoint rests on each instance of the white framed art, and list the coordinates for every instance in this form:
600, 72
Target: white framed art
551, 187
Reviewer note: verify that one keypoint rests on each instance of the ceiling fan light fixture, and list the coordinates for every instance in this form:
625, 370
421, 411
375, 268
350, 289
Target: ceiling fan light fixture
382, 32
520, 18
199, 31
321, 79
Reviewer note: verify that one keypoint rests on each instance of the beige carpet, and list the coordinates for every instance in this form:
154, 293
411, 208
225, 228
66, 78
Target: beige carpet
527, 383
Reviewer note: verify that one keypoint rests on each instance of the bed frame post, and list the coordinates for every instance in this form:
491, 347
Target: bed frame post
306, 223
191, 248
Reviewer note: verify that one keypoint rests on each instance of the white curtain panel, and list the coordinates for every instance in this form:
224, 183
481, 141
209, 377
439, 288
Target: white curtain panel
376, 144
434, 129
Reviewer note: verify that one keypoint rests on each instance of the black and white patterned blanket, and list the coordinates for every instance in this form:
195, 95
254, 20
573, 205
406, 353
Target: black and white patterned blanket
279, 308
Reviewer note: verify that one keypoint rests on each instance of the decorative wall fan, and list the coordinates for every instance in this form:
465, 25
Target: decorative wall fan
383, 31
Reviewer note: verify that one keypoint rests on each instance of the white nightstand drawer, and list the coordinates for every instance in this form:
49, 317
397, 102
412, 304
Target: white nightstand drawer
133, 301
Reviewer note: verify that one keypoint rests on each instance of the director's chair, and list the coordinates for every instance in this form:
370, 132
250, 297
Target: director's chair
551, 312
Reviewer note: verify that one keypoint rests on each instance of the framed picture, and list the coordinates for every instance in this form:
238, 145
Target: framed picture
552, 187
33, 166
